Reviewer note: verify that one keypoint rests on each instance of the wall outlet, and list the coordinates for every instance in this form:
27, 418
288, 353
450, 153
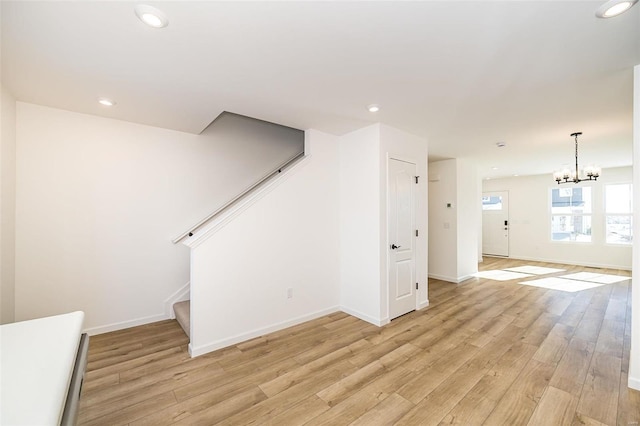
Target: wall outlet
289, 293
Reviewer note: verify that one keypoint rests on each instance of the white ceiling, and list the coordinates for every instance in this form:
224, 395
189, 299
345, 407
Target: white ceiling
464, 75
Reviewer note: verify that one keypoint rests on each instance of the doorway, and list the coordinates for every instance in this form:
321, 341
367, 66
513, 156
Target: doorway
401, 237
495, 223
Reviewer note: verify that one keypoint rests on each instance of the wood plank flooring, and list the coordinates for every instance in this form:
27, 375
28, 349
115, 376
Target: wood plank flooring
484, 352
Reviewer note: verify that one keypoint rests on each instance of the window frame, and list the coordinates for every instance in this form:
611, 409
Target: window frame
590, 215
607, 214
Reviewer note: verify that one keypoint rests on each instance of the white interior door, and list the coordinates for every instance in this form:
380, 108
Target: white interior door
495, 223
401, 238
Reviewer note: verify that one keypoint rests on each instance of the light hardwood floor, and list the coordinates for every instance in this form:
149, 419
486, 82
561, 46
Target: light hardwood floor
484, 352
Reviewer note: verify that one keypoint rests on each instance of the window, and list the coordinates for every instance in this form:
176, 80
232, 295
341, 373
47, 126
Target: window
493, 202
571, 214
618, 213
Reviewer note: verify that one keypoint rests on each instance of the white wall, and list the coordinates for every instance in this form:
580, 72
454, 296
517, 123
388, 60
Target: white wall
7, 205
98, 202
468, 214
634, 366
443, 223
288, 239
529, 232
454, 230
360, 237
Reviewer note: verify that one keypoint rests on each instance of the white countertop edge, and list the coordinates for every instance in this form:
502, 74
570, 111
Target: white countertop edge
36, 364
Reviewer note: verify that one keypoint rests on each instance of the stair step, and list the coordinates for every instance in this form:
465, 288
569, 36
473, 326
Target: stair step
183, 313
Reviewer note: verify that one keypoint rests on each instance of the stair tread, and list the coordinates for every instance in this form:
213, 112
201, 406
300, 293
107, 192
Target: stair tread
185, 304
183, 313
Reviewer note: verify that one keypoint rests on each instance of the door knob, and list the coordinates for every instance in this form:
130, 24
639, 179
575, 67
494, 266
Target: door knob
393, 246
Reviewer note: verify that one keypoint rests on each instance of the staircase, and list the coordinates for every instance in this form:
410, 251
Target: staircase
264, 155
183, 314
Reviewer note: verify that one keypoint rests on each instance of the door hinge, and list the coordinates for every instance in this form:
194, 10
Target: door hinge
416, 232
416, 286
417, 178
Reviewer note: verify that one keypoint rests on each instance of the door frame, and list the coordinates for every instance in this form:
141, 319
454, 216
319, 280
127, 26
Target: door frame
387, 242
508, 225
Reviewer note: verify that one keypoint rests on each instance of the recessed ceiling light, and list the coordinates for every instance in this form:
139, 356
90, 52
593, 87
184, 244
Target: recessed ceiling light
106, 102
151, 16
614, 8
501, 144
494, 168
373, 108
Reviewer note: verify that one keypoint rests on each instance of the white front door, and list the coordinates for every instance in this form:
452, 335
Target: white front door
401, 238
495, 223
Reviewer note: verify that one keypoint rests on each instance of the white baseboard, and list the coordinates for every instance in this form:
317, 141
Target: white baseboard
179, 295
442, 278
124, 324
634, 383
569, 262
423, 305
195, 351
365, 317
455, 280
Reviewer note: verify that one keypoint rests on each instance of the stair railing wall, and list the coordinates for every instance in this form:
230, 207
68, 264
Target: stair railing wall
257, 151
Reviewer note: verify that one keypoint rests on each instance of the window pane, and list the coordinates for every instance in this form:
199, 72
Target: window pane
619, 230
618, 198
492, 203
571, 200
571, 228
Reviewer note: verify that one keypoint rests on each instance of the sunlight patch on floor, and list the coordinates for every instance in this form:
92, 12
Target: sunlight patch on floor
563, 284
596, 278
500, 275
571, 282
534, 270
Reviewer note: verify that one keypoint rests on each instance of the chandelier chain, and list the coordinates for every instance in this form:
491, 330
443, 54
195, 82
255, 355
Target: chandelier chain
576, 136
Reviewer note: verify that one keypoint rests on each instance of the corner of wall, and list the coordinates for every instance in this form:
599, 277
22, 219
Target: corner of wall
468, 196
7, 205
633, 382
379, 322
634, 363
359, 217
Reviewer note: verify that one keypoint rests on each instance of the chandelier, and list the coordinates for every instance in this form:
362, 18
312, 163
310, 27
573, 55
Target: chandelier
566, 175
